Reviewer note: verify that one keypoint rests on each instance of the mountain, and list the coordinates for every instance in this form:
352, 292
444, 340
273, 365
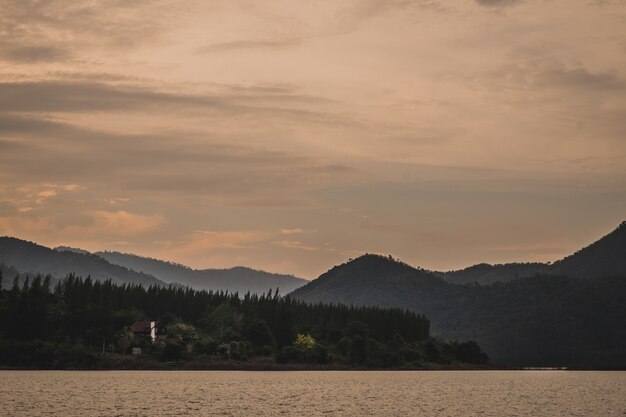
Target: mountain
542, 320
238, 279
371, 280
488, 274
31, 258
607, 256
539, 320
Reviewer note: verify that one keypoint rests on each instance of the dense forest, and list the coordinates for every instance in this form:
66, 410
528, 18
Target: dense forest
82, 323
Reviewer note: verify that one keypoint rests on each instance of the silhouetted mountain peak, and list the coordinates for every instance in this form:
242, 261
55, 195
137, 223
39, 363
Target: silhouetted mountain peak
376, 260
374, 266
369, 279
606, 256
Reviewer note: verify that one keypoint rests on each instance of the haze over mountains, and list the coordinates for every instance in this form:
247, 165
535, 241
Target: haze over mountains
570, 313
238, 279
30, 258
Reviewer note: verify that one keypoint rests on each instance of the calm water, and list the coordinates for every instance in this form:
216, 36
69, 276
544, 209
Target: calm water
139, 393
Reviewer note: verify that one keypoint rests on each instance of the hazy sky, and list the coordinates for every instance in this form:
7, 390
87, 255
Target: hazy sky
291, 135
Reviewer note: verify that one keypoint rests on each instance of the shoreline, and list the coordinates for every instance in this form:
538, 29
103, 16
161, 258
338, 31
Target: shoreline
273, 367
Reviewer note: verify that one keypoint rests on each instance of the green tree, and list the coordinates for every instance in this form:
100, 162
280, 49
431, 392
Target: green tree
258, 332
304, 342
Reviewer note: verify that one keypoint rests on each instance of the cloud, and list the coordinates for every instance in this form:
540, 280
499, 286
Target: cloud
7, 208
497, 3
294, 244
81, 26
36, 149
84, 96
581, 78
295, 231
44, 195
247, 45
79, 225
121, 223
39, 194
255, 121
203, 240
33, 54
63, 96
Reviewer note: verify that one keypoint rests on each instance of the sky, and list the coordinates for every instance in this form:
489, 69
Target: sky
291, 136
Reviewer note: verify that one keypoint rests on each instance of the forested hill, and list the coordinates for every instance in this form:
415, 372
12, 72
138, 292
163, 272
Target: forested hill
537, 321
371, 280
70, 325
488, 274
607, 256
238, 279
31, 258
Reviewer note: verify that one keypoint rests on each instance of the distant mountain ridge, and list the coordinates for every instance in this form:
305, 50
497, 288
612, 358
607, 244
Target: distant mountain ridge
238, 279
607, 256
488, 274
31, 258
28, 258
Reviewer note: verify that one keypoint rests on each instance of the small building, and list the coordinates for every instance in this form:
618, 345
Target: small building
152, 329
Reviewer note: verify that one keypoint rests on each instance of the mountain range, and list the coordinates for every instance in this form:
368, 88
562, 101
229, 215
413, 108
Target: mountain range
238, 279
569, 313
31, 258
604, 257
28, 258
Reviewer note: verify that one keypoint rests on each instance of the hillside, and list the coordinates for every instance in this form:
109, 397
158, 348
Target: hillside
539, 320
238, 279
607, 256
371, 280
31, 258
488, 274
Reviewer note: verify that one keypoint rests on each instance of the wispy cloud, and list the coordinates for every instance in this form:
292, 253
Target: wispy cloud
275, 126
496, 3
33, 54
247, 45
295, 231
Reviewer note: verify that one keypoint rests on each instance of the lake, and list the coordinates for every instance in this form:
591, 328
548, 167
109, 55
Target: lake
310, 393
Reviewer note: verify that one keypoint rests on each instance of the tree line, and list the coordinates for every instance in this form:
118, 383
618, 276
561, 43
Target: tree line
76, 319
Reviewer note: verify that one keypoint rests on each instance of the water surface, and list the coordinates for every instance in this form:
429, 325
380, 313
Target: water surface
340, 393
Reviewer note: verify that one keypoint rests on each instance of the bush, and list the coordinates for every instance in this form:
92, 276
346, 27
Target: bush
205, 346
172, 351
470, 352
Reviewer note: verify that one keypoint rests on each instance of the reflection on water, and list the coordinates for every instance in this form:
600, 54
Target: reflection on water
178, 393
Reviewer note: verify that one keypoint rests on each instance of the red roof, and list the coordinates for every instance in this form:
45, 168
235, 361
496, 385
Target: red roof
140, 327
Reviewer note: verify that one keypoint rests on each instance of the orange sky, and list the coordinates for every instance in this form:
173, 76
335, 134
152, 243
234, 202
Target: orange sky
291, 136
